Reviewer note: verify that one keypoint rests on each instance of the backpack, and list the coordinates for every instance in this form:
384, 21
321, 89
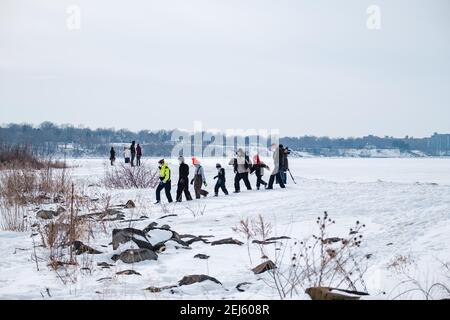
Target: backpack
247, 161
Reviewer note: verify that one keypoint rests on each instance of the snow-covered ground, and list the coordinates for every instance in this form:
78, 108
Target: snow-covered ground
404, 203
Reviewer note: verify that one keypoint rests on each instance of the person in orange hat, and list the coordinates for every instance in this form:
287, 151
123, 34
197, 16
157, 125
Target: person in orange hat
199, 179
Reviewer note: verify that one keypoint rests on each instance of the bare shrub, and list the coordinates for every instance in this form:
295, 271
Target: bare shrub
127, 177
254, 229
428, 290
319, 260
13, 217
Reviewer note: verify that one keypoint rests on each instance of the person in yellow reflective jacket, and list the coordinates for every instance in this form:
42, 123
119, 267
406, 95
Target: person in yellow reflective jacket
165, 181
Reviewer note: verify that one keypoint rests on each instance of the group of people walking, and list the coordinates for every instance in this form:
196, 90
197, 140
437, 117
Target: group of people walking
242, 167
130, 154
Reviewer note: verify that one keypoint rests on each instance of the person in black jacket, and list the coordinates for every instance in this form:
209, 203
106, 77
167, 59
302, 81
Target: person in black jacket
112, 155
284, 164
220, 181
133, 152
138, 155
183, 181
241, 164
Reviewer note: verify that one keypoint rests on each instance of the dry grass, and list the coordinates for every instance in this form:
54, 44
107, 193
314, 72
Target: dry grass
21, 156
416, 282
13, 217
59, 235
29, 186
197, 210
126, 177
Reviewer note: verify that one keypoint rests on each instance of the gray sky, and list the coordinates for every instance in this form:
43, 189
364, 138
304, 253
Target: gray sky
304, 67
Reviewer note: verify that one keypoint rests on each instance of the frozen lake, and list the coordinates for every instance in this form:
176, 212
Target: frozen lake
407, 170
402, 170
405, 204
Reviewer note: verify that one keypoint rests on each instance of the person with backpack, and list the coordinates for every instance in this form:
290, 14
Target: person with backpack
126, 154
220, 181
199, 179
165, 181
112, 155
258, 167
276, 173
133, 152
183, 181
138, 155
241, 166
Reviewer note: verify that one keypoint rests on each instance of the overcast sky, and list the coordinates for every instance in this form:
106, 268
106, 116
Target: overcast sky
304, 67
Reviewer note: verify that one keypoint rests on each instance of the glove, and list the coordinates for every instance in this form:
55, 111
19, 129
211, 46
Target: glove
192, 181
205, 184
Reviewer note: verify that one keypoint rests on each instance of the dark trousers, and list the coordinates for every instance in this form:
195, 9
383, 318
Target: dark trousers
166, 186
183, 186
237, 180
283, 176
198, 187
279, 180
133, 155
260, 181
138, 161
112, 161
220, 184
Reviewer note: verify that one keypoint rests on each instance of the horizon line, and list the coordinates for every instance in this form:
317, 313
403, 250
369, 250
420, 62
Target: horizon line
82, 126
